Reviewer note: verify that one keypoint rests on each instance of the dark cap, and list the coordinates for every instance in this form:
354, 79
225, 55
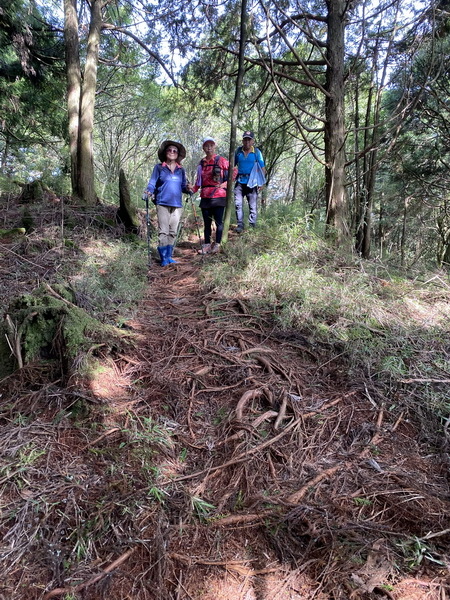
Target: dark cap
248, 134
163, 148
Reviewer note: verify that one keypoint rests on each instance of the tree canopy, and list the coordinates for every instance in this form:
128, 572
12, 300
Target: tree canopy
349, 102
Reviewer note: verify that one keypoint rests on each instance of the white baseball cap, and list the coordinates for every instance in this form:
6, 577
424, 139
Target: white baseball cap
208, 139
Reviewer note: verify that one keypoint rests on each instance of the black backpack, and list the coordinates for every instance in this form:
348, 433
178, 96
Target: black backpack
220, 175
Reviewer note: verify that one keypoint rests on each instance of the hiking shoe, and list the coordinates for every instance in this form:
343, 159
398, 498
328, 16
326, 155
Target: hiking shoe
239, 229
206, 249
215, 249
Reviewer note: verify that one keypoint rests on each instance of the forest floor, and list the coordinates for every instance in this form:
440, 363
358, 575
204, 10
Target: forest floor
218, 458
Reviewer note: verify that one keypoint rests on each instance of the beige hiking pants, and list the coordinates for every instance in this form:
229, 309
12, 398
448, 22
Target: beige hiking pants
168, 219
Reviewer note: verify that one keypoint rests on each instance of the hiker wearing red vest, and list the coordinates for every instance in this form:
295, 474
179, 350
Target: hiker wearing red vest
212, 173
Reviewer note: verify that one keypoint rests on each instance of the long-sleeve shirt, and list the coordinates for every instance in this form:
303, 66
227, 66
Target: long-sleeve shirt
168, 187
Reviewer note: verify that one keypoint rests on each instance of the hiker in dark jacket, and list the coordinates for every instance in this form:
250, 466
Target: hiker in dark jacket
167, 184
212, 173
245, 158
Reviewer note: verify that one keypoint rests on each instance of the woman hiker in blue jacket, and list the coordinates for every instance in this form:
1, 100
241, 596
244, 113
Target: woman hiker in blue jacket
167, 184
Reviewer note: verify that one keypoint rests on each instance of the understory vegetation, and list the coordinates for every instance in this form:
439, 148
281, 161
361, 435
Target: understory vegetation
386, 325
292, 404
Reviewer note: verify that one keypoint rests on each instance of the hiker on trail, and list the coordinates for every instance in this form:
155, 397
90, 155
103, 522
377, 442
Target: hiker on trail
212, 174
245, 158
167, 184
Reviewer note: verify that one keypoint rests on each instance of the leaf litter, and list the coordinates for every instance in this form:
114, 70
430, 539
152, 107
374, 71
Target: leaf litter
215, 460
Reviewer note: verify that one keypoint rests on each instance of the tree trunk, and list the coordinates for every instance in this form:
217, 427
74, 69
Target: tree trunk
334, 126
73, 73
403, 235
86, 155
127, 213
234, 120
294, 179
381, 227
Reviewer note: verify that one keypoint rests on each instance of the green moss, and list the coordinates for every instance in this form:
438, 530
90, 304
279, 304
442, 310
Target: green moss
55, 328
15, 231
7, 361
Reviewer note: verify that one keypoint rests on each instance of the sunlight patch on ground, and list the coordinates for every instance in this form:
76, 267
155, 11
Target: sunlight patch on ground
429, 315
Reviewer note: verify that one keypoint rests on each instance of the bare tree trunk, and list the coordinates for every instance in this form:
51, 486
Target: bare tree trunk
334, 126
127, 213
381, 227
86, 157
73, 71
294, 179
234, 119
403, 235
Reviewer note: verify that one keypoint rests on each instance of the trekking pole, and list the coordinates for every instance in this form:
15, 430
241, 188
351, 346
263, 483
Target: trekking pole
196, 222
180, 226
148, 223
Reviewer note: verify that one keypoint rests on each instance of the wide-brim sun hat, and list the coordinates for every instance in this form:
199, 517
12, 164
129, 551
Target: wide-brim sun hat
163, 148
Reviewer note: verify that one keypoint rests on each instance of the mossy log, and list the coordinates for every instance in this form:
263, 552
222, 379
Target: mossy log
127, 213
47, 325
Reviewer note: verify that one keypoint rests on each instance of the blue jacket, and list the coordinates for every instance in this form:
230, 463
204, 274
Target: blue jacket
245, 164
168, 187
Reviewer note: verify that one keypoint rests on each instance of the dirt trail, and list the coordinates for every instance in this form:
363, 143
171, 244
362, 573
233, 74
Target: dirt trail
285, 480
222, 459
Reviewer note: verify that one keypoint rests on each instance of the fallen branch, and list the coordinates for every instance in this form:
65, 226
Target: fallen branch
256, 349
240, 519
298, 495
424, 380
101, 437
52, 292
249, 395
15, 343
239, 566
81, 586
21, 257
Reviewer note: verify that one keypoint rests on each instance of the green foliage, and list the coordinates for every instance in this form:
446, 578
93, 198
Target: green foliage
415, 550
31, 84
112, 279
201, 508
383, 328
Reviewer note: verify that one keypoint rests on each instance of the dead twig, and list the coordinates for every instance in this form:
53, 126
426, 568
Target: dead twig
424, 380
240, 519
101, 437
15, 343
298, 495
281, 413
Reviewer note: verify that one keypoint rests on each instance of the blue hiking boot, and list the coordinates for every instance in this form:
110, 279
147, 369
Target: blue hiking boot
163, 253
169, 255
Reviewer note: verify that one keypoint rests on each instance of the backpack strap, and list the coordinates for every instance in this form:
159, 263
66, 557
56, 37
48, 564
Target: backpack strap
224, 175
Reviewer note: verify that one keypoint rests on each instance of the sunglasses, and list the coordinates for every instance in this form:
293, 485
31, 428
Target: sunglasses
172, 150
